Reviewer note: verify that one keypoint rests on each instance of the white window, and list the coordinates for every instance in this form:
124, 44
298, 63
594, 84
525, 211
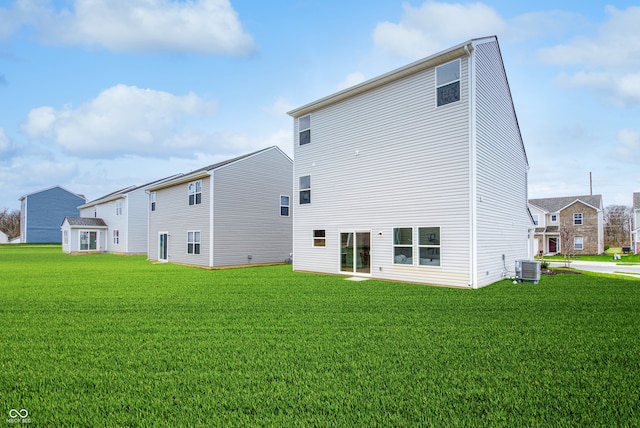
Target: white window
305, 189
153, 201
65, 237
319, 238
535, 219
193, 242
578, 243
554, 217
304, 130
284, 206
119, 207
403, 245
195, 192
116, 236
448, 83
577, 219
429, 246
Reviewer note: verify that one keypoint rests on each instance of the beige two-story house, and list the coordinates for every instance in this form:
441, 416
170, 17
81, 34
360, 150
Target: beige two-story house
580, 217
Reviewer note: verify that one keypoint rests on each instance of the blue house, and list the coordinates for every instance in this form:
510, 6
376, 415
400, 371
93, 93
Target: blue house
42, 213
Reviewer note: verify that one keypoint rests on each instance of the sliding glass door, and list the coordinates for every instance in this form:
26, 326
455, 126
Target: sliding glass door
354, 252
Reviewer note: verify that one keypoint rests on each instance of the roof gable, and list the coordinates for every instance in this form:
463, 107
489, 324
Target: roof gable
204, 171
463, 49
554, 205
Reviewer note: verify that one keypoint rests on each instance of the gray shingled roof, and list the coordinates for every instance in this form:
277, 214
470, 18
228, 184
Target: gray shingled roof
554, 205
85, 221
636, 201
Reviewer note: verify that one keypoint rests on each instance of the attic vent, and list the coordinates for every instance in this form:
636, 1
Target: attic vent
528, 270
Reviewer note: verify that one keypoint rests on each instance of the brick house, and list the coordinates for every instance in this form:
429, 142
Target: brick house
580, 219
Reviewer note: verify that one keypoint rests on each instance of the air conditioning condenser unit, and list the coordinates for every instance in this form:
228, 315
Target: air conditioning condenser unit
528, 270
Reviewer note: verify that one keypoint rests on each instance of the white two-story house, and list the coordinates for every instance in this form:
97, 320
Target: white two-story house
232, 213
417, 175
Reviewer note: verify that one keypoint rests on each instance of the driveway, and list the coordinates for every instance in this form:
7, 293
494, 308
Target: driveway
603, 267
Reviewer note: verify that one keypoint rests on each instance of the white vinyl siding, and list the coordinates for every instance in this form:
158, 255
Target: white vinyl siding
247, 220
501, 168
384, 157
171, 211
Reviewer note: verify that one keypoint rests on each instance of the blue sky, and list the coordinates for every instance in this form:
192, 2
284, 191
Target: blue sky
97, 95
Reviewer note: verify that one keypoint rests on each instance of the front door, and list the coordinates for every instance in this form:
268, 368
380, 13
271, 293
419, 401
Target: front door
164, 237
553, 245
355, 250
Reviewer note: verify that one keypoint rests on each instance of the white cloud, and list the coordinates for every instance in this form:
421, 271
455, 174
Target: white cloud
616, 44
350, 80
125, 120
628, 148
602, 62
434, 26
204, 26
620, 89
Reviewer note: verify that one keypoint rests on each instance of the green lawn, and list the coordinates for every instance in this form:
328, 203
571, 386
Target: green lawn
103, 340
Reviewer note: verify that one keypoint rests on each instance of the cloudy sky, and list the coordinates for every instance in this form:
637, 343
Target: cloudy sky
97, 95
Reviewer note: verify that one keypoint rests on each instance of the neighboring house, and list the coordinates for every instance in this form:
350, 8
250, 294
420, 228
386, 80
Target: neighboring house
42, 212
417, 175
636, 223
581, 216
126, 214
235, 212
83, 235
4, 239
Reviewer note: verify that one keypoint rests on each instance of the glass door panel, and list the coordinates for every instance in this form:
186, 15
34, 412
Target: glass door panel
354, 252
346, 252
363, 247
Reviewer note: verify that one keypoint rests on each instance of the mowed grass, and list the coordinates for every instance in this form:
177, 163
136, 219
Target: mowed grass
104, 340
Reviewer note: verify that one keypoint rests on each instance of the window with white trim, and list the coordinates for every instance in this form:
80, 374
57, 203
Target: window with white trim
554, 217
448, 83
284, 206
193, 242
195, 192
578, 243
304, 130
119, 207
305, 189
116, 236
429, 246
577, 219
153, 201
319, 238
403, 245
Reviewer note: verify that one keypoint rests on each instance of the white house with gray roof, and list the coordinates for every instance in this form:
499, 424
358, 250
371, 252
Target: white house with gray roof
582, 216
126, 214
235, 212
417, 175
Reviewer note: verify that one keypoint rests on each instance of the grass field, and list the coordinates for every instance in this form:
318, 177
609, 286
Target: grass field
103, 340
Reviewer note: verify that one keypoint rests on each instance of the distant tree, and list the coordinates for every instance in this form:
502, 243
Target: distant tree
567, 233
10, 223
617, 224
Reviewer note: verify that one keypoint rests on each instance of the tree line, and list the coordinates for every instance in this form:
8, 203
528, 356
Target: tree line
10, 223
